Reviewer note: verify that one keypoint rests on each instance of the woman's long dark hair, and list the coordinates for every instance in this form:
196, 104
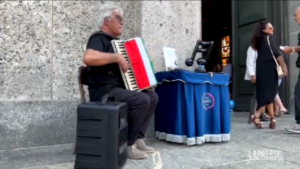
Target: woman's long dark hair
258, 34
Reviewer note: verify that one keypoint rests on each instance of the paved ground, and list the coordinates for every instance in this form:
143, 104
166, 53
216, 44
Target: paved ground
246, 144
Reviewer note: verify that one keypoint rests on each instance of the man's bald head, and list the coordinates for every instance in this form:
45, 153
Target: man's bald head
297, 15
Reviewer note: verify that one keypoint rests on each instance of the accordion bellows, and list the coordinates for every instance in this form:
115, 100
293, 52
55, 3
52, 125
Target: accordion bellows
141, 74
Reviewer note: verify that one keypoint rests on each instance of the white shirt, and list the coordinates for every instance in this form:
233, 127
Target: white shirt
250, 63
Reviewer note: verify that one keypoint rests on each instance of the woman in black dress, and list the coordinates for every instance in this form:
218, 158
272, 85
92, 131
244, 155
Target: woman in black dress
266, 73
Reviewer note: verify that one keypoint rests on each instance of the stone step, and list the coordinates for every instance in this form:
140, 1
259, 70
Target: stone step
36, 156
39, 133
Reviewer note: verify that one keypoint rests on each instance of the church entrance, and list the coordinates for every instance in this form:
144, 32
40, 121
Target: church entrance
230, 25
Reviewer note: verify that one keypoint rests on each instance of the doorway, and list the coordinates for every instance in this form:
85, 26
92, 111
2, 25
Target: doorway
217, 27
230, 25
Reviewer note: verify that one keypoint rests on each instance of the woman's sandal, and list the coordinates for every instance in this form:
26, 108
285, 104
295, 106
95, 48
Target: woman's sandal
281, 113
284, 112
258, 125
272, 124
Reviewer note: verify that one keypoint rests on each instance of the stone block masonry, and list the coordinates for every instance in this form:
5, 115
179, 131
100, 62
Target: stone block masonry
42, 44
294, 29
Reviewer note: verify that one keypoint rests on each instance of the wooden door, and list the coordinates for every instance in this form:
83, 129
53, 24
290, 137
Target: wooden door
245, 15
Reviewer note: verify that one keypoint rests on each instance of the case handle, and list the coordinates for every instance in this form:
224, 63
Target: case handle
107, 97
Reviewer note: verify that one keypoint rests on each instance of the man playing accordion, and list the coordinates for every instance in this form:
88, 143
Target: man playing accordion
104, 77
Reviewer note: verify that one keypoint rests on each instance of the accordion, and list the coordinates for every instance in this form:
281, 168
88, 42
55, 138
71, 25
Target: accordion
140, 75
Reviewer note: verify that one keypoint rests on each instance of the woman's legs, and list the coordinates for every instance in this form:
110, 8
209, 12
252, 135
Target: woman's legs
257, 114
276, 109
264, 109
270, 108
279, 103
264, 116
256, 117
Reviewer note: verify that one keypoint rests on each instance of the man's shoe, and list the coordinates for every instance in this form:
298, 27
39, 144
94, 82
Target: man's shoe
294, 129
141, 145
135, 154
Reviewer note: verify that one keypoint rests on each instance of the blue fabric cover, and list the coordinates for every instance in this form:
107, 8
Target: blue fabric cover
193, 78
193, 108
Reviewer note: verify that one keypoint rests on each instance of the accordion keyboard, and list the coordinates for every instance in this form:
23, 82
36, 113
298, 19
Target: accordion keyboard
128, 77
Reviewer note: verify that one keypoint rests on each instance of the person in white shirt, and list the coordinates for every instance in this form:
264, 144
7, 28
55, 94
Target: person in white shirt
251, 76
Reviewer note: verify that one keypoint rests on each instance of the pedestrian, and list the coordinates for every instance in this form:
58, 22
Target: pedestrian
268, 56
250, 76
289, 50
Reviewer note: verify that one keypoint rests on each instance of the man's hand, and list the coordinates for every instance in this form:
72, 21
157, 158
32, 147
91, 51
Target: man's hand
287, 49
122, 62
253, 79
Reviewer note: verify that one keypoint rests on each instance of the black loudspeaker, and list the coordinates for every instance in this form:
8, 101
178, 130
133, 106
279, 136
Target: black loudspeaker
101, 134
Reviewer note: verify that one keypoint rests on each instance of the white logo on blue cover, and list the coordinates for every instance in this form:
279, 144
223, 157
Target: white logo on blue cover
208, 101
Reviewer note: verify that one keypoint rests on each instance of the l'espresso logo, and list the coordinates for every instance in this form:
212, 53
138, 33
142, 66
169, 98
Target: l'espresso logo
208, 101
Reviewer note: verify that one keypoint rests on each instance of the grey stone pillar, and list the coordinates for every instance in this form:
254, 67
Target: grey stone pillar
294, 29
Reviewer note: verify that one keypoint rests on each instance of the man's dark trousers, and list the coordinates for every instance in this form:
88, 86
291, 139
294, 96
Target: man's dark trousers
252, 104
141, 108
297, 102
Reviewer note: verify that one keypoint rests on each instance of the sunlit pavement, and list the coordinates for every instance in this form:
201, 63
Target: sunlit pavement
248, 147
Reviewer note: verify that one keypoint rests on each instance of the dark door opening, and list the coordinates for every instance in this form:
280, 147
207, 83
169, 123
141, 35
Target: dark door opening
217, 27
245, 16
230, 24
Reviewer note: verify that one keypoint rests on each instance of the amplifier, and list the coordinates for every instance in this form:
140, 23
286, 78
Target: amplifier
101, 134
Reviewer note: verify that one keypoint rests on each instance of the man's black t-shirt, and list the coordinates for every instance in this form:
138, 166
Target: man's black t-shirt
102, 78
298, 59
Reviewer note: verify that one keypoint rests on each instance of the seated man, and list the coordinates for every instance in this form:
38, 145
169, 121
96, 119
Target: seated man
104, 77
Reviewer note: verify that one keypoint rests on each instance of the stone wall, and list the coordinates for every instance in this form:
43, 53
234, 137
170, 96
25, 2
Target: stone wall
42, 44
293, 33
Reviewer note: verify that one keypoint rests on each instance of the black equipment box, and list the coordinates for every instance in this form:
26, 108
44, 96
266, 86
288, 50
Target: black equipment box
101, 134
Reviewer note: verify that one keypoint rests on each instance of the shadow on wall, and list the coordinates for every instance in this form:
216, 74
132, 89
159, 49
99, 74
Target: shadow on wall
44, 45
